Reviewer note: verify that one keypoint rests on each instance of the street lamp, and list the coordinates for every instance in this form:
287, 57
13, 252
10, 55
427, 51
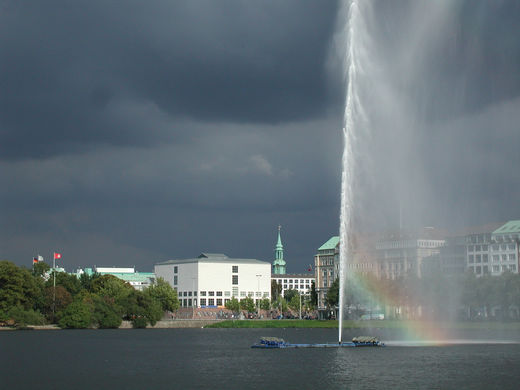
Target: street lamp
192, 298
257, 294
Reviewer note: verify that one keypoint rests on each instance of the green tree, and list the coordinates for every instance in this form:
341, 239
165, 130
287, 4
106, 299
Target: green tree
105, 314
265, 304
294, 303
18, 287
248, 304
69, 282
40, 269
276, 290
332, 298
163, 293
76, 315
23, 317
62, 299
289, 294
233, 305
141, 308
314, 295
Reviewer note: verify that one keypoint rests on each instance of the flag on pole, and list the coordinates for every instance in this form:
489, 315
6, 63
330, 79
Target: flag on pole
35, 260
57, 256
310, 268
40, 258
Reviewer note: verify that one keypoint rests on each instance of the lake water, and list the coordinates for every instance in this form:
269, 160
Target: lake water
223, 359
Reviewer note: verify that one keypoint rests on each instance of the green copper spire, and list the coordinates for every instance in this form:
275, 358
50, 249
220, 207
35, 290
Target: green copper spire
279, 262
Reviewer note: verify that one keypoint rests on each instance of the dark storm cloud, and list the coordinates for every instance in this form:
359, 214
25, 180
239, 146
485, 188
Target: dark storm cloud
134, 131
75, 75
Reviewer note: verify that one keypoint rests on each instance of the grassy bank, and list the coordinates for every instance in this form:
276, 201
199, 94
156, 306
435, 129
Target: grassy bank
389, 324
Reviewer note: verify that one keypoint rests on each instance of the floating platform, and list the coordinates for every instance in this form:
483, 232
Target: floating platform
361, 341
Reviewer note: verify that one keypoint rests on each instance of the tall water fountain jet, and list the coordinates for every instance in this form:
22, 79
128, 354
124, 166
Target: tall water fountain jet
353, 116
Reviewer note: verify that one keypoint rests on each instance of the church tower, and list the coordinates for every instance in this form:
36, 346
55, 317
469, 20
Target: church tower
279, 262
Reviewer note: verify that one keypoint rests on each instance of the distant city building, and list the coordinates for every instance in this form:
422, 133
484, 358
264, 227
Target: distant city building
138, 280
326, 266
212, 279
504, 251
279, 264
300, 282
403, 254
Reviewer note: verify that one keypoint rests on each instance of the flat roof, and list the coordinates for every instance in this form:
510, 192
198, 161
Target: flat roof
213, 258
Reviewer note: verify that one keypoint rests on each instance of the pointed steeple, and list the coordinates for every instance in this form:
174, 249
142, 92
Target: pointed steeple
279, 262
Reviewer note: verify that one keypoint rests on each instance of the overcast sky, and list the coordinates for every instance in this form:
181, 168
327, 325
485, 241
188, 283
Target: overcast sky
135, 132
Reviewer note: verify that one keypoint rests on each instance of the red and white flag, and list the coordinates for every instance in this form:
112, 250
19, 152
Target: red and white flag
57, 256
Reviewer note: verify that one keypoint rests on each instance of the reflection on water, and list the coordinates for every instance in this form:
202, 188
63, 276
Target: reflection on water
223, 359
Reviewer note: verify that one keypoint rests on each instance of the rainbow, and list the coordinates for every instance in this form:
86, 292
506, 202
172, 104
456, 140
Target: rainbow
382, 293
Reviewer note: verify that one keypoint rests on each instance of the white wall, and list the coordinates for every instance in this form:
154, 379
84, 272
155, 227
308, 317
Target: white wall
217, 276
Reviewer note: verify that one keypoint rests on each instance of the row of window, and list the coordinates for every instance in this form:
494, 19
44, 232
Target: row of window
479, 270
496, 258
494, 247
307, 281
302, 286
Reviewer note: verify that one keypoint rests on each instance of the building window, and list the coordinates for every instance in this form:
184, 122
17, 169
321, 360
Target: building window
496, 268
477, 259
219, 301
513, 267
235, 269
284, 286
512, 257
211, 293
175, 269
470, 259
485, 258
189, 293
203, 301
250, 294
234, 279
235, 291
189, 302
211, 302
484, 247
258, 293
496, 258
219, 293
495, 247
194, 293
185, 293
227, 293
504, 257
242, 293
512, 247
226, 301
202, 294
175, 280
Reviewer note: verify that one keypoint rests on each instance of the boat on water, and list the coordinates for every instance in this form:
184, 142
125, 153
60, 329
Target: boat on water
360, 341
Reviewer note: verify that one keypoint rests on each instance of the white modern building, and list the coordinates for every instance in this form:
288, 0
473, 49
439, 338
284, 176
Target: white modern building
212, 279
299, 282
